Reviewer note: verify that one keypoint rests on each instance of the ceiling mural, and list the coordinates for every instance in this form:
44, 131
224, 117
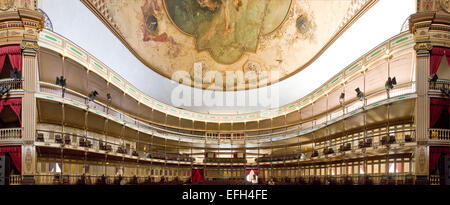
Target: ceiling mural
283, 36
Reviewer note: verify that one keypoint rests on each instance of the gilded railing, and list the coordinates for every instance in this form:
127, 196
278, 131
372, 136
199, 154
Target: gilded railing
15, 180
435, 180
439, 134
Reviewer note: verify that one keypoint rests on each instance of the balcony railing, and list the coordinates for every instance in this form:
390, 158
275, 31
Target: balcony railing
15, 180
75, 141
77, 179
440, 84
402, 89
10, 133
435, 180
15, 84
376, 140
440, 134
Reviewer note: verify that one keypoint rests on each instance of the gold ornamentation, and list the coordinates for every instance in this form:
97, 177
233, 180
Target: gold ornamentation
6, 4
423, 46
445, 5
28, 160
422, 160
29, 45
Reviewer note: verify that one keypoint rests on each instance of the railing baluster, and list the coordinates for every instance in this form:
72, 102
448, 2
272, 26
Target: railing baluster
439, 134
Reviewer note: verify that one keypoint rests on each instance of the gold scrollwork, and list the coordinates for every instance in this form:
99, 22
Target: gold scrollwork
29, 45
6, 4
423, 46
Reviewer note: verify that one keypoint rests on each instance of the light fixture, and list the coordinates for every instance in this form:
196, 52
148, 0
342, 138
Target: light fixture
341, 98
4, 89
359, 94
61, 81
390, 83
446, 91
433, 78
109, 98
93, 95
15, 74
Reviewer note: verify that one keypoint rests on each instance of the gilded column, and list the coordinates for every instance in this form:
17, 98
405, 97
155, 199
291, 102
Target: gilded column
20, 24
430, 27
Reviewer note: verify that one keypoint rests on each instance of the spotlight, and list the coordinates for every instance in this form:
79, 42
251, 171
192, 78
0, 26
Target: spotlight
390, 83
341, 98
108, 96
15, 74
61, 81
359, 94
446, 91
4, 89
93, 95
433, 78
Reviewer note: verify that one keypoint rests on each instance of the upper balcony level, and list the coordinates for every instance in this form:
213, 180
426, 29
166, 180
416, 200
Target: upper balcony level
367, 73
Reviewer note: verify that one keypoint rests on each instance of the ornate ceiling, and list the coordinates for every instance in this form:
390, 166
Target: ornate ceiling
197, 36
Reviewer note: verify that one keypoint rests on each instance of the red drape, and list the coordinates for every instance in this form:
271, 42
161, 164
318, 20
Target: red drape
435, 153
15, 104
14, 54
435, 59
247, 171
436, 56
16, 155
447, 54
2, 61
197, 175
437, 106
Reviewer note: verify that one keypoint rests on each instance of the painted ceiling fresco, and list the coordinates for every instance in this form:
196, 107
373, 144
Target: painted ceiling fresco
228, 35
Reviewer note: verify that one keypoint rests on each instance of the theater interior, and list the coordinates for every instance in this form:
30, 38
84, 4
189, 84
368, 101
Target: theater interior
90, 92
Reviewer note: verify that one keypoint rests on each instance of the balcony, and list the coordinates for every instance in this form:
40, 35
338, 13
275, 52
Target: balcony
11, 84
10, 134
440, 84
439, 134
94, 144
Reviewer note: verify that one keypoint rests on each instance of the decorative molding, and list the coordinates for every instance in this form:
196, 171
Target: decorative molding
423, 46
29, 45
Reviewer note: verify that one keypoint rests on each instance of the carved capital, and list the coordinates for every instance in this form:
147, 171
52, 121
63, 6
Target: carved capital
29, 45
423, 47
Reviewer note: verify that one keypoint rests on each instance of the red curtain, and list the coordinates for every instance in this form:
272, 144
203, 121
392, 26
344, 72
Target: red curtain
14, 54
197, 175
15, 104
447, 54
436, 56
247, 171
2, 61
437, 106
435, 153
16, 155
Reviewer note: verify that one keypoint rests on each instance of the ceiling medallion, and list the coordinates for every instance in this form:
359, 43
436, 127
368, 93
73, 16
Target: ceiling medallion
227, 29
